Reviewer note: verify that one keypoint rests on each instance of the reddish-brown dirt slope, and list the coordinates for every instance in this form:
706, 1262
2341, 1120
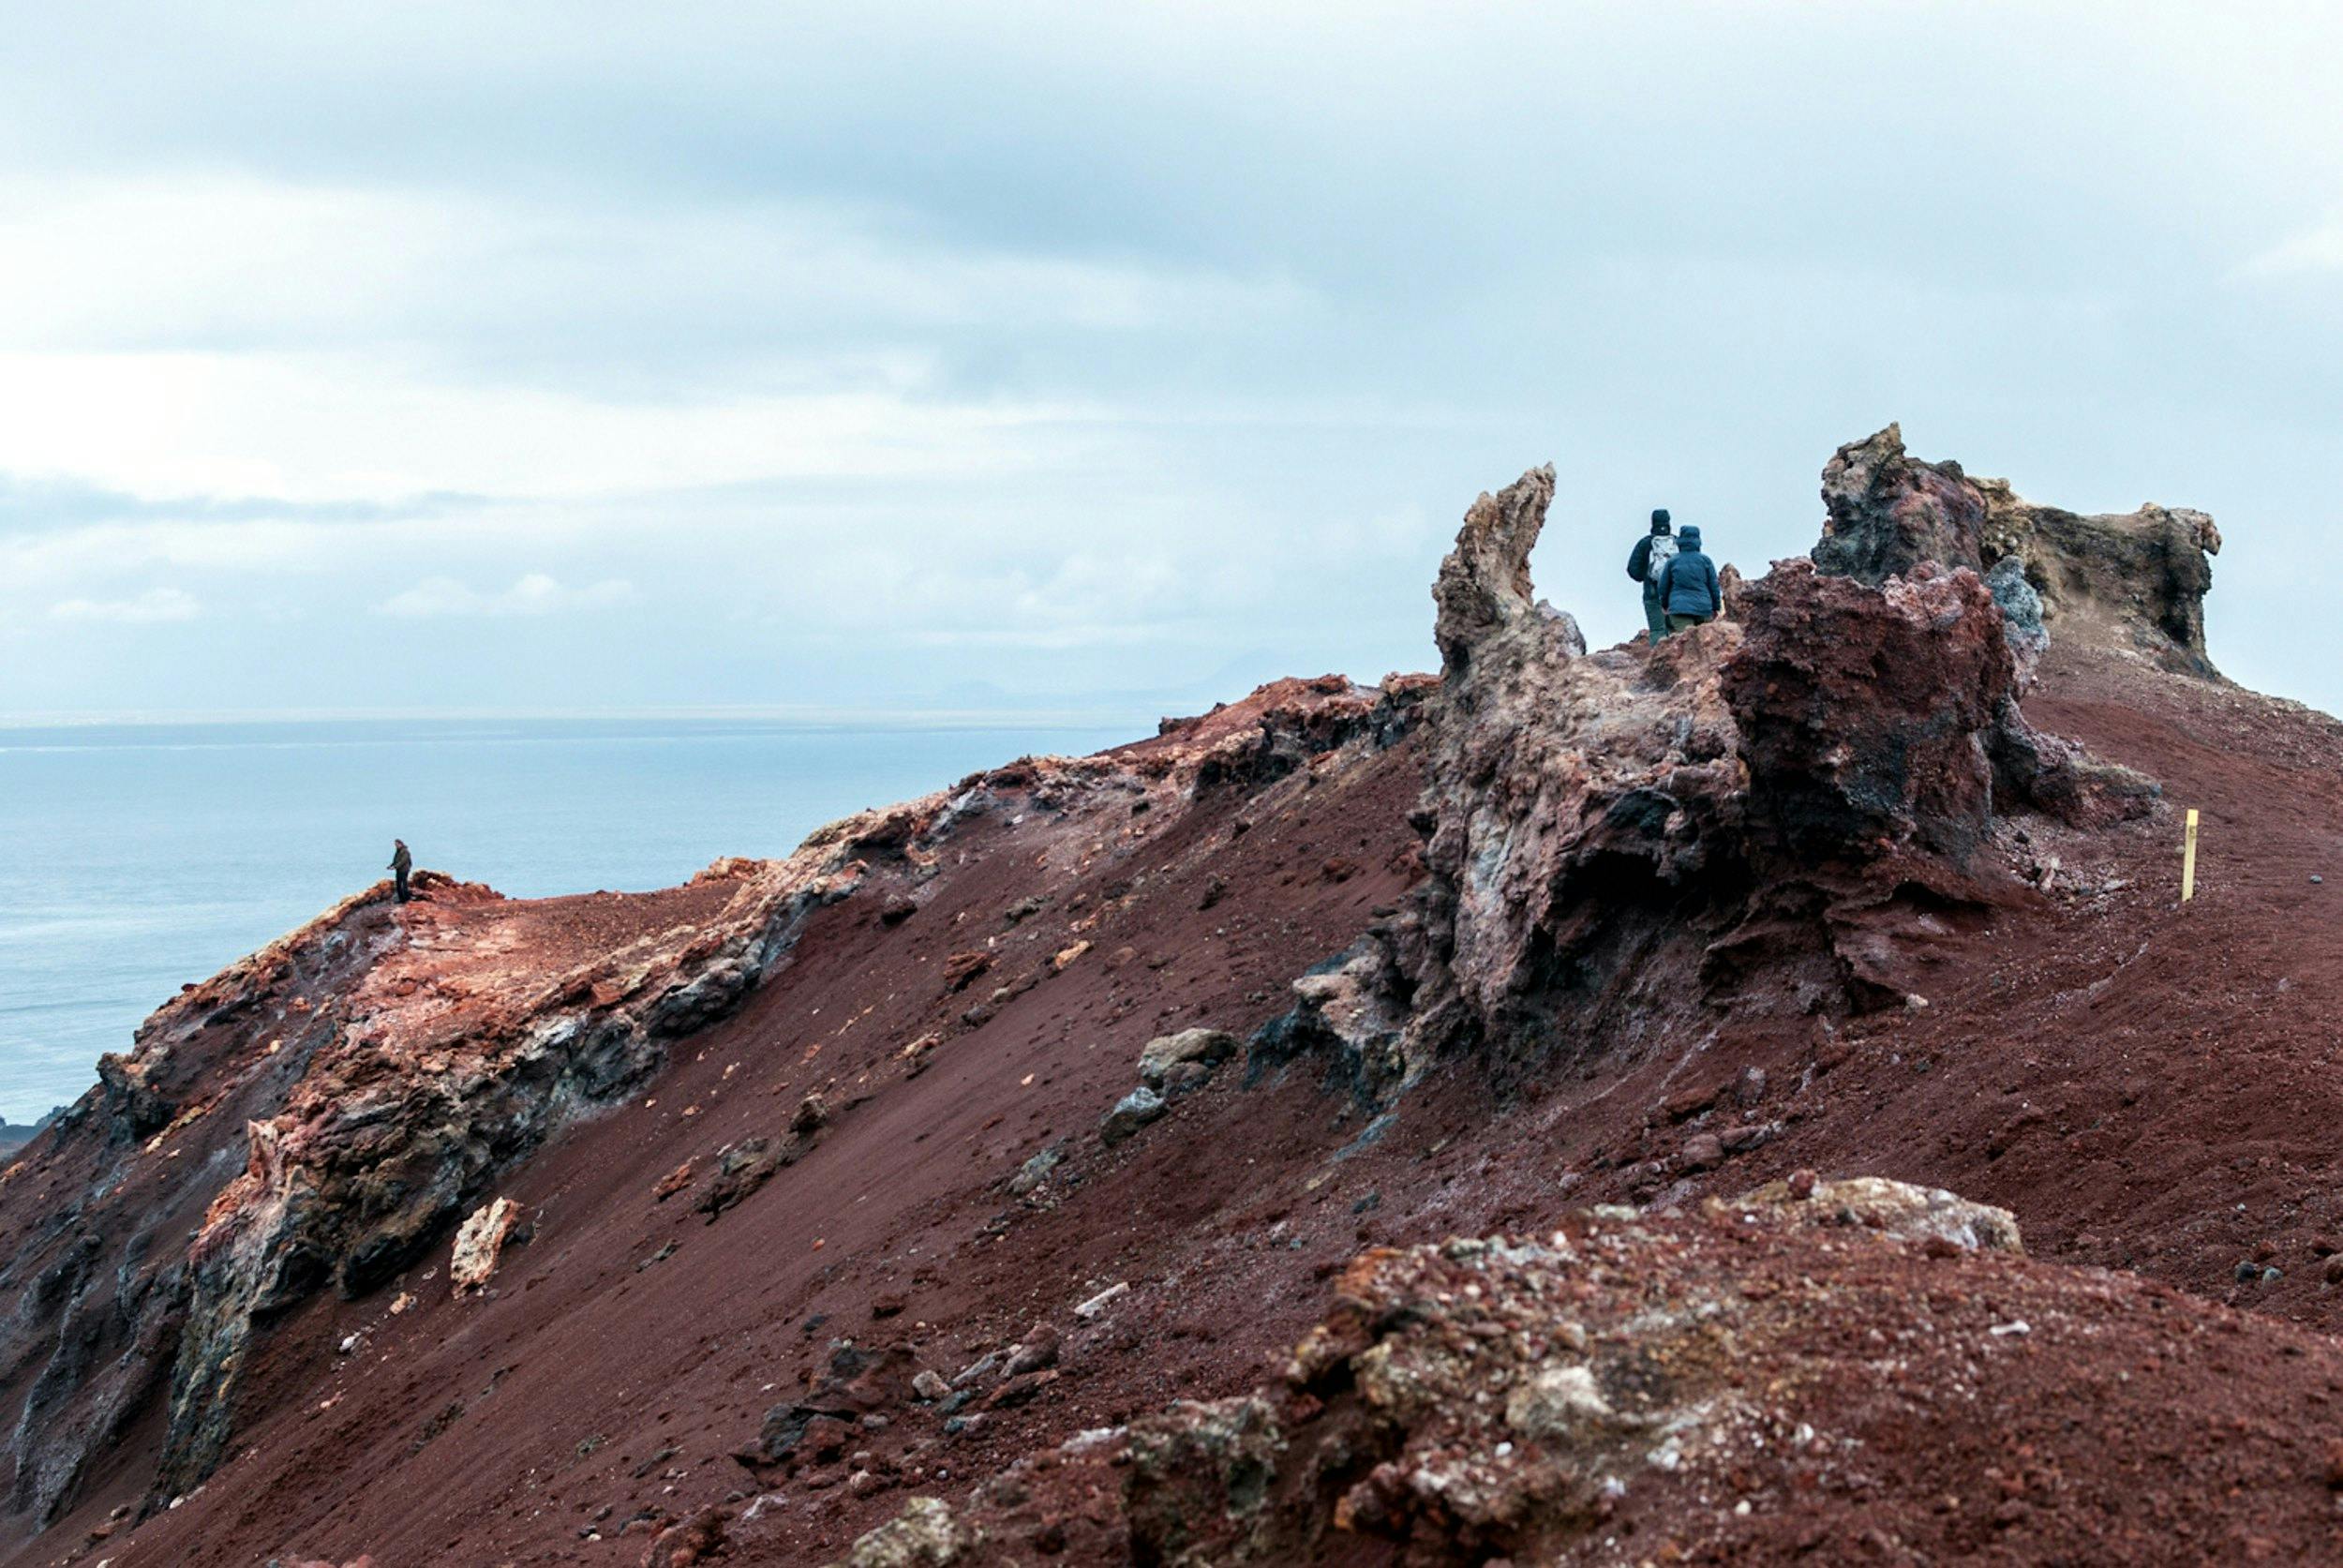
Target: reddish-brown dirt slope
2144, 1084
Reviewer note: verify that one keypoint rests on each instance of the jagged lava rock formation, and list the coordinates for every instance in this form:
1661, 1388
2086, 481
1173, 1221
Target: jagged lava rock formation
1761, 810
1070, 1164
2134, 579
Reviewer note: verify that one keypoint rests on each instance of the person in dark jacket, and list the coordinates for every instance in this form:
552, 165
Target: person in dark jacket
1644, 563
1688, 584
401, 863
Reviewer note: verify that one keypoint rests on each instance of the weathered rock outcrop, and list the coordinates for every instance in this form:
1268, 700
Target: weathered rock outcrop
1742, 1384
454, 1055
2134, 579
1769, 809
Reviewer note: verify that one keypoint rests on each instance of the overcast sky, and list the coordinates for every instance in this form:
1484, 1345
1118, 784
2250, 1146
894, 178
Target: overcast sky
504, 357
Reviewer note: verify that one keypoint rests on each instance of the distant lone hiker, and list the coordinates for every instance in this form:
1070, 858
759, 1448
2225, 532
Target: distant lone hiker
401, 863
1645, 562
1688, 584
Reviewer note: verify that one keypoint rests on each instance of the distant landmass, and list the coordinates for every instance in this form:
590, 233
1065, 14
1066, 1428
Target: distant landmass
14, 1136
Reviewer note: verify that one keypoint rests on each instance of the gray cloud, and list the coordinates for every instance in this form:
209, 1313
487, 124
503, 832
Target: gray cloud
1050, 350
155, 605
531, 593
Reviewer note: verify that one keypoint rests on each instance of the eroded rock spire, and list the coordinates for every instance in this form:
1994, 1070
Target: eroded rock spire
2134, 581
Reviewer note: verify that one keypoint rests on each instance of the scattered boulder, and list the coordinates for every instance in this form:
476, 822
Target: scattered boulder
1200, 1481
1351, 1010
978, 1370
858, 1383
960, 968
1036, 1170
1183, 1078
1205, 1047
692, 1540
740, 1171
920, 1052
923, 1535
1131, 1112
674, 1181
1703, 1151
480, 1244
1890, 1207
1037, 1349
1097, 1305
1018, 1389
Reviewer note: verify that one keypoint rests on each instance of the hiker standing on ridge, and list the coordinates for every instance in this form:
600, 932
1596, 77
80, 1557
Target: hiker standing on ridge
1688, 584
401, 863
1645, 562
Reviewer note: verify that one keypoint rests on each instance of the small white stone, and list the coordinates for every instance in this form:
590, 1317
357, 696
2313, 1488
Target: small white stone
1103, 1300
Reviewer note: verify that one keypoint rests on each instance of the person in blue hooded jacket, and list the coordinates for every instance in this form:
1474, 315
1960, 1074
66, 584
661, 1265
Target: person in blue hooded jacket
1688, 583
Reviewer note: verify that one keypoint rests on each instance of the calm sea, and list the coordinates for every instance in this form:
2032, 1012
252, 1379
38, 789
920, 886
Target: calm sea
135, 858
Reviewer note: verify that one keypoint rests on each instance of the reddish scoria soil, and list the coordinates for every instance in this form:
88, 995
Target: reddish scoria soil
2144, 1085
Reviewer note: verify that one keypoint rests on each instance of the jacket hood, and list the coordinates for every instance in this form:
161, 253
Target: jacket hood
1689, 536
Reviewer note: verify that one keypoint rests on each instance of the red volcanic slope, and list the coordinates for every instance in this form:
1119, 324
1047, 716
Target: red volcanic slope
2141, 1083
787, 1137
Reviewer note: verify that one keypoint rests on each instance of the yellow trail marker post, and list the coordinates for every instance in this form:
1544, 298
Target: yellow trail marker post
2188, 860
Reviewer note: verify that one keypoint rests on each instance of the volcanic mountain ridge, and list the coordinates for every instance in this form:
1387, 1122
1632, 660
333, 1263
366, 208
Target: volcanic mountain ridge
1503, 1114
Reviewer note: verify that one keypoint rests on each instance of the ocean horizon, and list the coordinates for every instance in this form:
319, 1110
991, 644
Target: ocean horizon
137, 856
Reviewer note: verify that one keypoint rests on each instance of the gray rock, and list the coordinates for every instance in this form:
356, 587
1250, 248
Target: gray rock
1209, 1047
1039, 1349
1131, 1112
923, 1535
1703, 1151
1891, 1208
2021, 614
1036, 1170
1185, 1078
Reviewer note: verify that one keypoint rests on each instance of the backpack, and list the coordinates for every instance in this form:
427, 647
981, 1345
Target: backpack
1662, 551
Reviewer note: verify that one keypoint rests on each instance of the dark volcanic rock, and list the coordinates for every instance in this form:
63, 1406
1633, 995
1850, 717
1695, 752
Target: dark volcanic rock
2134, 579
1131, 1112
1770, 807
1886, 512
858, 1383
1862, 714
